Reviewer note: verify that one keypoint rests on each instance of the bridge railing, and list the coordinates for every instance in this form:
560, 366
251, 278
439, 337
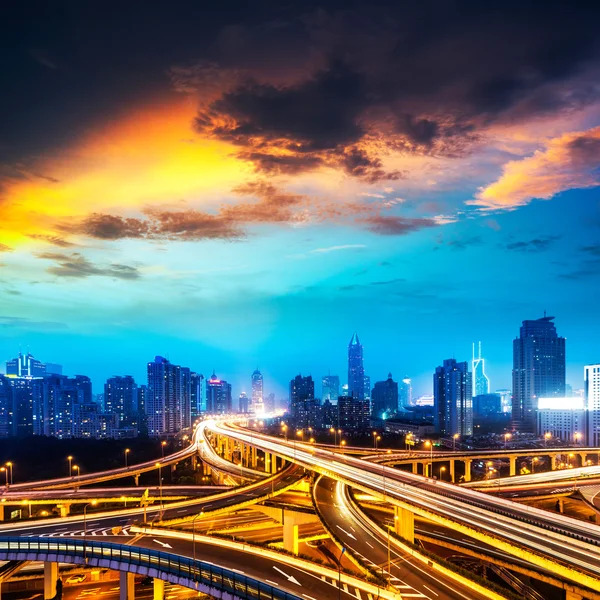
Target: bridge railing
136, 559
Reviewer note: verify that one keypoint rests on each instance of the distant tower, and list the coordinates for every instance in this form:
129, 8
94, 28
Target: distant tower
257, 392
330, 388
356, 371
453, 402
481, 382
538, 370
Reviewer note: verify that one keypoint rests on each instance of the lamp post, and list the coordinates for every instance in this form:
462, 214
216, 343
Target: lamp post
547, 436
127, 451
92, 503
533, 461
507, 437
10, 466
429, 444
342, 444
162, 447
375, 440
390, 552
442, 469
577, 437
5, 471
340, 573
78, 469
333, 430
70, 459
454, 438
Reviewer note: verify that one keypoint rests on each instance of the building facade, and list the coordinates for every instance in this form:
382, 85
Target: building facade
121, 398
356, 371
405, 398
353, 413
302, 402
218, 396
257, 404
591, 379
538, 370
330, 389
452, 398
384, 398
563, 418
481, 382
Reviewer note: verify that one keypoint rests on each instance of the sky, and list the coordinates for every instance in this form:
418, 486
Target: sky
246, 185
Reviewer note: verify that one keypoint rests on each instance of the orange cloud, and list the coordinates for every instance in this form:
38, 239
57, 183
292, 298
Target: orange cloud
568, 161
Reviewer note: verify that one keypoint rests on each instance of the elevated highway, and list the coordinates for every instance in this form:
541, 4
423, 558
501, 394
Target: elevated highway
553, 542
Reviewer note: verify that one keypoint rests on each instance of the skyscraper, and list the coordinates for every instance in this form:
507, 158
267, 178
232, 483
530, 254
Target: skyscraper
303, 406
243, 404
330, 388
168, 397
384, 398
405, 394
197, 395
591, 377
356, 371
25, 365
218, 396
538, 370
257, 393
481, 382
453, 400
6, 407
120, 398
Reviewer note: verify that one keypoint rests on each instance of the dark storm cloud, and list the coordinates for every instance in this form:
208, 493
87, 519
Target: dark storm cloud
77, 266
392, 225
113, 227
536, 245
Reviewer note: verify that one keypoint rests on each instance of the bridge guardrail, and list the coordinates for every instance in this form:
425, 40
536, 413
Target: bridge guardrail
133, 557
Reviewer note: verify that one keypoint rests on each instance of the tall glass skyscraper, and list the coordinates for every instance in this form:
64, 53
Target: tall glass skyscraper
257, 393
330, 388
538, 370
453, 400
356, 371
481, 382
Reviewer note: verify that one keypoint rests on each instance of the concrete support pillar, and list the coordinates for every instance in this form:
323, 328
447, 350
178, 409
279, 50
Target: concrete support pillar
561, 505
290, 533
194, 462
273, 464
572, 595
553, 462
50, 578
415, 467
452, 471
136, 478
267, 462
513, 465
468, 462
253, 459
159, 589
65, 510
2, 512
126, 585
583, 457
404, 524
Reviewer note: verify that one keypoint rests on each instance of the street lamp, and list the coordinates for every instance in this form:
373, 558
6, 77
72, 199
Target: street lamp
454, 438
127, 451
5, 470
162, 447
507, 437
408, 441
429, 444
390, 552
533, 461
342, 444
442, 469
375, 439
571, 455
70, 459
76, 467
547, 436
577, 437
92, 503
10, 466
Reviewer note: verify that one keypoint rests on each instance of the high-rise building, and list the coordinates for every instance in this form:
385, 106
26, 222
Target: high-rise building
353, 413
84, 385
330, 388
25, 365
168, 397
481, 382
591, 379
218, 396
367, 387
356, 371
6, 407
270, 403
405, 398
120, 398
384, 398
538, 370
243, 403
197, 395
562, 418
258, 406
487, 406
302, 401
453, 400
505, 400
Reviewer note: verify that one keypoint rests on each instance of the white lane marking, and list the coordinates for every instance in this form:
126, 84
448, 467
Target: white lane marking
272, 582
290, 578
429, 589
346, 532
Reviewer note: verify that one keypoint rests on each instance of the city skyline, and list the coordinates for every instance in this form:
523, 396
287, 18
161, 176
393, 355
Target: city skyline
426, 214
